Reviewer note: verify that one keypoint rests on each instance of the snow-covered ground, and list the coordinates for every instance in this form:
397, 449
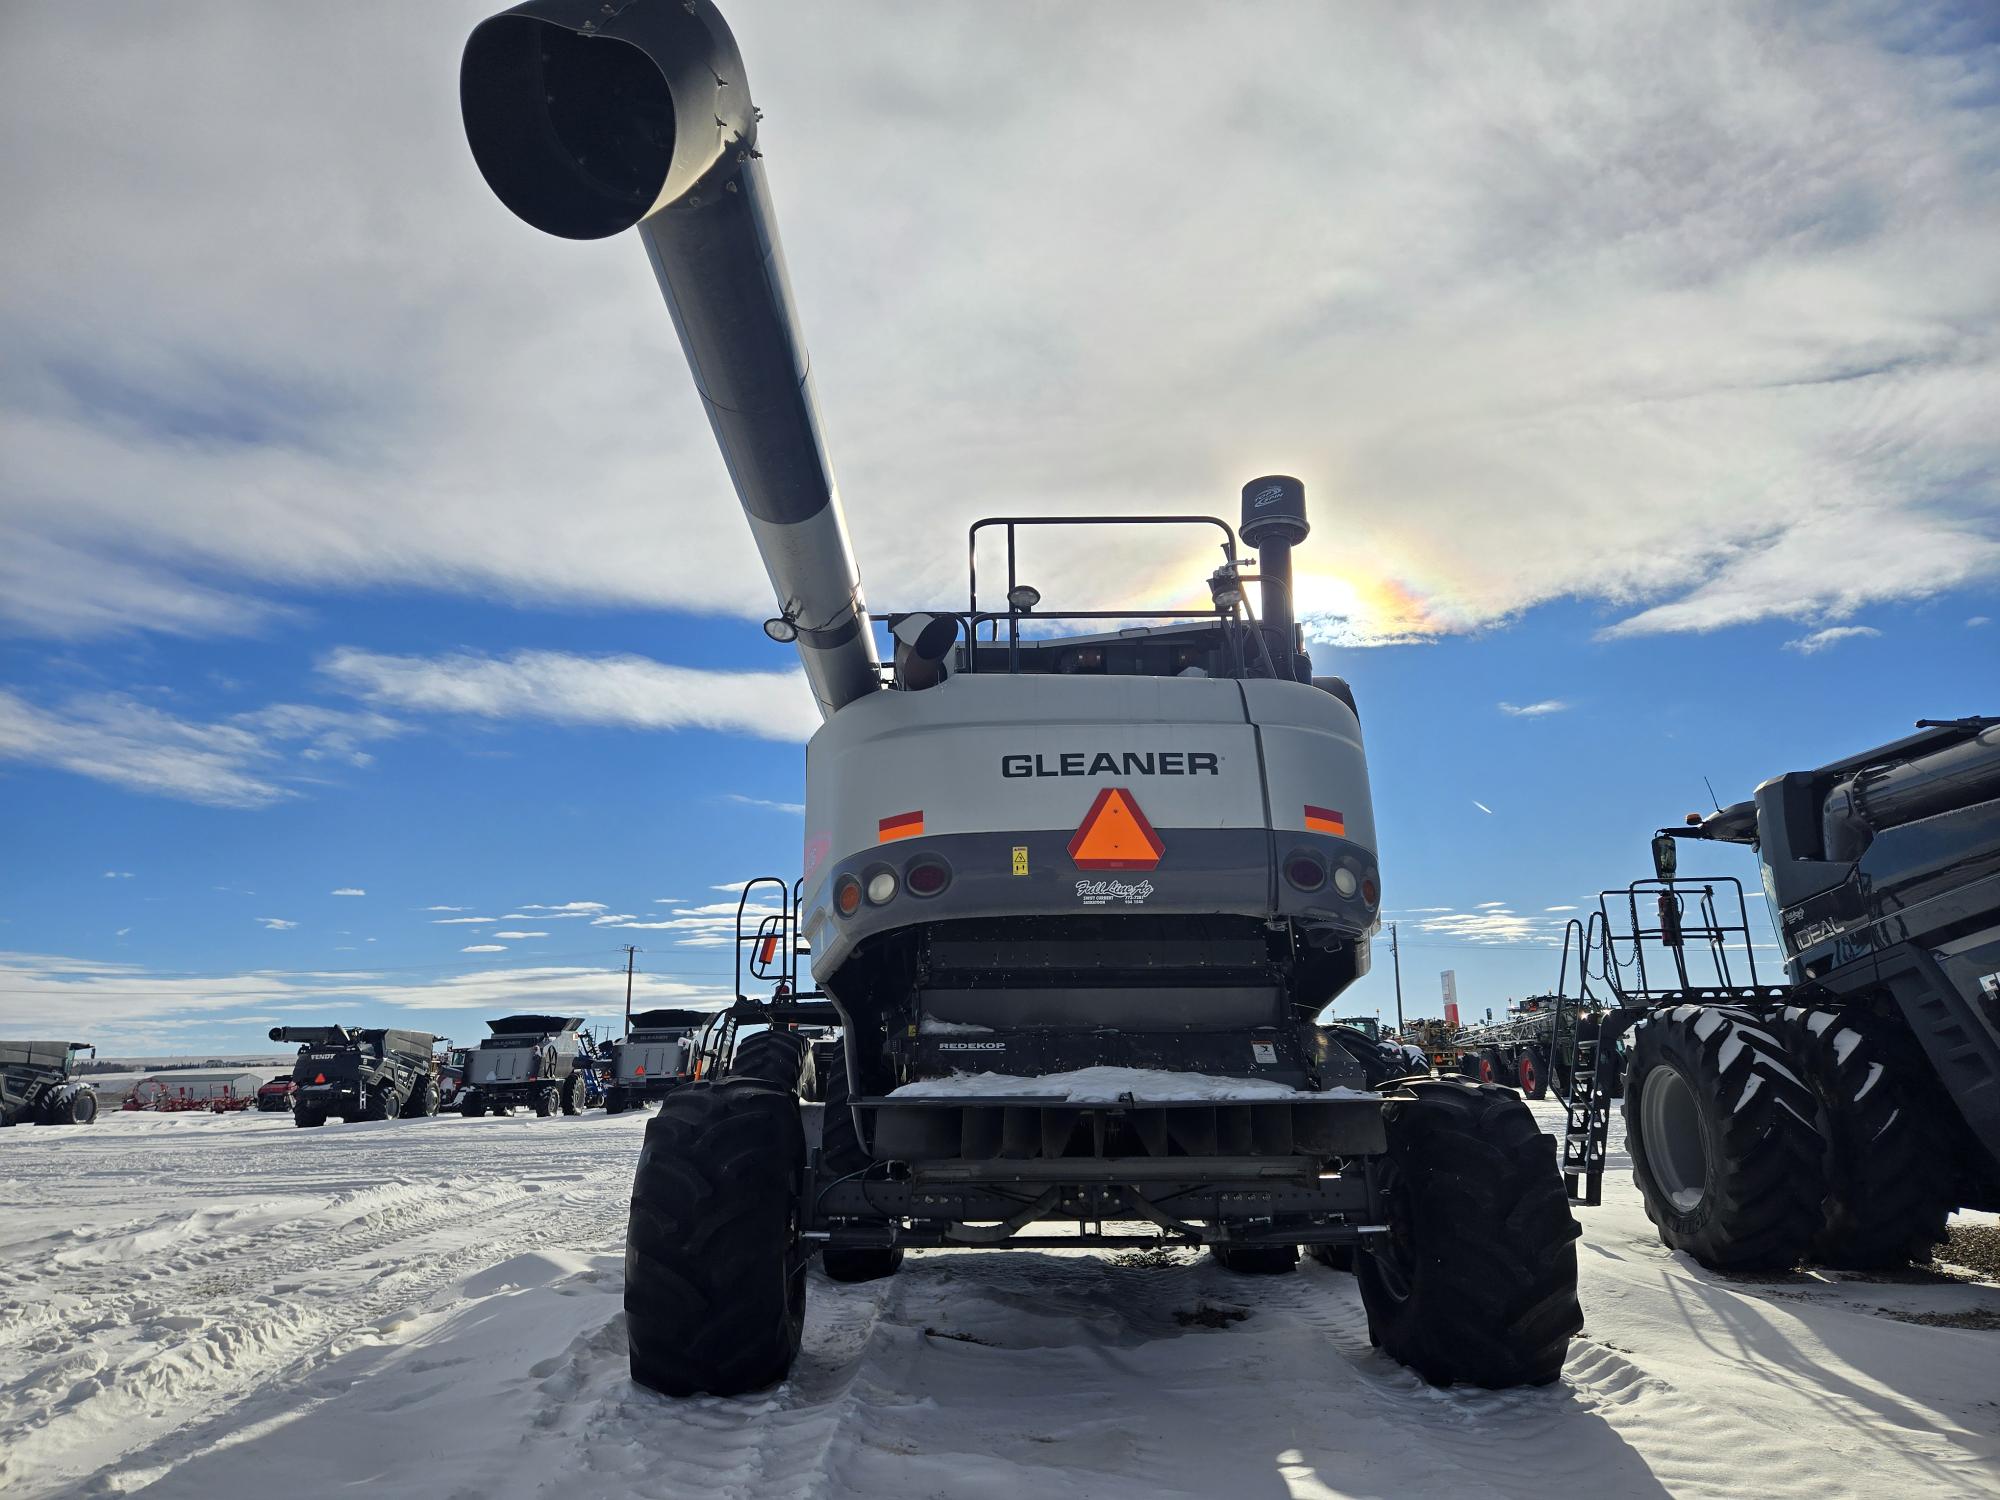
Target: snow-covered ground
225, 1305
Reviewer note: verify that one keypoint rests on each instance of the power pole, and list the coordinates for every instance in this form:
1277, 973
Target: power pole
1396, 959
630, 958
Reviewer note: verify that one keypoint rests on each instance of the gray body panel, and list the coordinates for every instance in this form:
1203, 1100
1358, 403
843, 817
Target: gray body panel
1223, 770
641, 1057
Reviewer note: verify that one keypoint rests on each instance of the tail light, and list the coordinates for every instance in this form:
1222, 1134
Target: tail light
1305, 872
927, 877
847, 895
881, 887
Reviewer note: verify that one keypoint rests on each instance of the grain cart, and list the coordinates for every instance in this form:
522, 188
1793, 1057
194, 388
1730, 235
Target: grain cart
1840, 1115
662, 1050
542, 1063
375, 1074
36, 1084
1075, 898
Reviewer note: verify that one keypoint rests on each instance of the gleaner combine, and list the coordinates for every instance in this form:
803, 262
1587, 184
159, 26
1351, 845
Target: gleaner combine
1077, 900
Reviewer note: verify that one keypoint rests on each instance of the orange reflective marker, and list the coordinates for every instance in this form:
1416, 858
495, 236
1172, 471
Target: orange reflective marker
1114, 835
903, 826
767, 950
1325, 820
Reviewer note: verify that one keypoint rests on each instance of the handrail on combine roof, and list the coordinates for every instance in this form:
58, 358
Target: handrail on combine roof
974, 616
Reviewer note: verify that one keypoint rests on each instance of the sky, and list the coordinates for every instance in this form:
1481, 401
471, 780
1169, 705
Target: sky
378, 631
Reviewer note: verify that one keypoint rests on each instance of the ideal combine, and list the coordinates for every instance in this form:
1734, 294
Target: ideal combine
1076, 900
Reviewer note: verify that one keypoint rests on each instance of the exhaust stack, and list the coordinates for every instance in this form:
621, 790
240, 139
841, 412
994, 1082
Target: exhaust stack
1274, 521
588, 119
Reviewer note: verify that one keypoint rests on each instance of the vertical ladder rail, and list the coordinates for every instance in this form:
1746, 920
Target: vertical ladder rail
1586, 1087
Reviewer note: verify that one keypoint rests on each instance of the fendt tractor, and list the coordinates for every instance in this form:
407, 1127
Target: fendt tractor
36, 1084
360, 1075
1841, 1116
543, 1063
1074, 900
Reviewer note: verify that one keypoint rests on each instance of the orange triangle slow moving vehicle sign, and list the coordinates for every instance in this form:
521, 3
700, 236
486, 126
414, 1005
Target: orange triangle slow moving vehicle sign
1114, 835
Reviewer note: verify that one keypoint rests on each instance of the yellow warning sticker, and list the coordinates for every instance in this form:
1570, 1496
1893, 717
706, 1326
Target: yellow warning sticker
1020, 859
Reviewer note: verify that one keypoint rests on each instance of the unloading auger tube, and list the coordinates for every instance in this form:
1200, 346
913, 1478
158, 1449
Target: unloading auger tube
589, 118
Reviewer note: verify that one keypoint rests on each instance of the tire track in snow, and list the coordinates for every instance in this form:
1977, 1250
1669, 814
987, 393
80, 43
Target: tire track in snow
166, 1360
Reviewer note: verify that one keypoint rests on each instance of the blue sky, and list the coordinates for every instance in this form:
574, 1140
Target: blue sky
1639, 363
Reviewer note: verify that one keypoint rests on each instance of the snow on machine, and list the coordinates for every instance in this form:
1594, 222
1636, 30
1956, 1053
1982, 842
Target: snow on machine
543, 1063
372, 1074
36, 1084
1074, 900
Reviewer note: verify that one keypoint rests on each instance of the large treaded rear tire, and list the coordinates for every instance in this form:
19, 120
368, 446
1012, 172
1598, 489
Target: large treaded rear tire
1889, 1187
841, 1154
1736, 1175
72, 1104
573, 1094
779, 1058
1478, 1282
714, 1283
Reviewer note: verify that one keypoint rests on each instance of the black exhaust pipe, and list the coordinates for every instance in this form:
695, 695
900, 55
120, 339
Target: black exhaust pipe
1274, 521
589, 118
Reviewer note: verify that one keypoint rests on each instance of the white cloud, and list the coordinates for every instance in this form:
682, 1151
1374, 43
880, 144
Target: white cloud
74, 592
461, 921
130, 1007
444, 908
485, 948
1833, 635
783, 807
276, 924
568, 908
512, 934
1490, 905
1484, 927
121, 932
1665, 305
1559, 908
612, 920
350, 890
709, 925
1977, 620
630, 691
1534, 710
1482, 807
240, 761
117, 874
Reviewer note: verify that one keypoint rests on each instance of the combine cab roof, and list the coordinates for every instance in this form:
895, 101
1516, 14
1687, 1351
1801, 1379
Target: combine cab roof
533, 1025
